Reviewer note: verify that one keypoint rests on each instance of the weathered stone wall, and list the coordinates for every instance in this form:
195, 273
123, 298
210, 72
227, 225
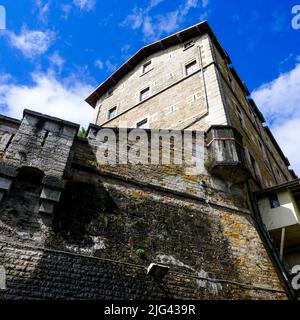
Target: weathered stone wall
8, 128
37, 273
111, 221
107, 218
42, 142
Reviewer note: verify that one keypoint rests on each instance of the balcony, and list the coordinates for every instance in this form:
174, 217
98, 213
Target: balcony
226, 158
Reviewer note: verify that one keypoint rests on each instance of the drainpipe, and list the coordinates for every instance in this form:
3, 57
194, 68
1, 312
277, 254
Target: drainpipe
273, 252
282, 243
204, 89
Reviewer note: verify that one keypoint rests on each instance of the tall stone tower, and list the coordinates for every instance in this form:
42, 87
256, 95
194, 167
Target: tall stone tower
78, 219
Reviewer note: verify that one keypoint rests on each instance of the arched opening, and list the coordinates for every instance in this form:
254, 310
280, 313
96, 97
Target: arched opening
30, 175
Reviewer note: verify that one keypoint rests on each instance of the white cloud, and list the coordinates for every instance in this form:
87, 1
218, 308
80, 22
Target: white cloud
288, 138
280, 100
135, 19
66, 10
31, 42
154, 3
99, 64
56, 61
85, 5
169, 22
154, 26
43, 10
189, 4
125, 48
107, 65
110, 67
48, 95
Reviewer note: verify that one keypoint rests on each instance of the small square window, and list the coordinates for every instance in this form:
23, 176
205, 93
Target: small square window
274, 202
110, 92
191, 67
142, 124
112, 112
145, 93
172, 108
147, 67
188, 44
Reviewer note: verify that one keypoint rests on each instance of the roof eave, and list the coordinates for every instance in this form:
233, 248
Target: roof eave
181, 36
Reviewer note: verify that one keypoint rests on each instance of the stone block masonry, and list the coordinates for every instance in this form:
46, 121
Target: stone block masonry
71, 228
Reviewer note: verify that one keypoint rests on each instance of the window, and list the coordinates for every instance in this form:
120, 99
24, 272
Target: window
147, 67
112, 112
145, 93
263, 152
240, 116
188, 44
274, 202
8, 140
231, 83
142, 124
255, 168
171, 109
45, 138
110, 92
191, 67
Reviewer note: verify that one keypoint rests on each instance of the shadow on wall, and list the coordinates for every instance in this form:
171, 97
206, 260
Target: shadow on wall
113, 220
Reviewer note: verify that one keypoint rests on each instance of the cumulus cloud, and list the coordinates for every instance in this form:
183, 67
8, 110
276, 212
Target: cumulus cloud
31, 42
280, 100
49, 95
85, 5
154, 26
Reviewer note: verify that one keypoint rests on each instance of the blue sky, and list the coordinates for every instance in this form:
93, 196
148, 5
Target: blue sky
53, 53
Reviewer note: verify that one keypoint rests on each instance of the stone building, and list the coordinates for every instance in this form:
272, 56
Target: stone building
83, 218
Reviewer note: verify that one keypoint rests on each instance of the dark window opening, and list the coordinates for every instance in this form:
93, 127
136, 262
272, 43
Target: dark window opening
189, 44
274, 202
110, 92
191, 67
142, 124
45, 138
112, 113
144, 94
9, 142
147, 67
30, 174
255, 168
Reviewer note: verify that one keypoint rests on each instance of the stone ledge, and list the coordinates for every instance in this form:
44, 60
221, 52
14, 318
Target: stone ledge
50, 118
